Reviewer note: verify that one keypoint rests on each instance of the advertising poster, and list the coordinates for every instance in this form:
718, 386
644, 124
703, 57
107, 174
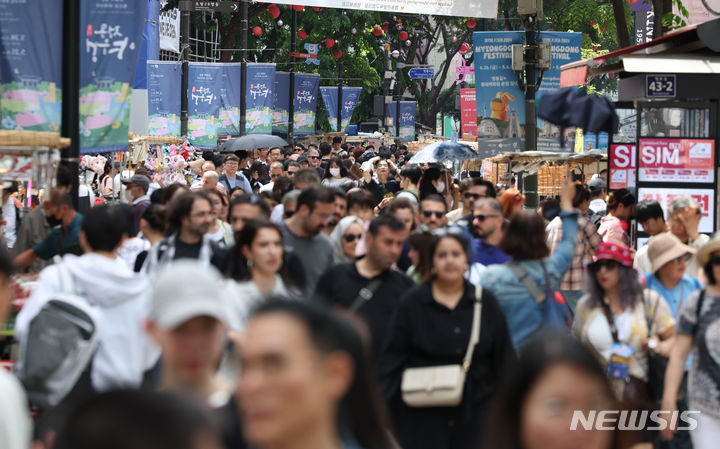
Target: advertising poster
464, 8
677, 160
31, 65
260, 98
109, 48
350, 98
501, 103
408, 109
213, 102
704, 197
306, 90
468, 111
622, 166
164, 85
281, 108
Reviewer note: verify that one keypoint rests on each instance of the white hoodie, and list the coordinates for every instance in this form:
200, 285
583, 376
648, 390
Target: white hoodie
122, 299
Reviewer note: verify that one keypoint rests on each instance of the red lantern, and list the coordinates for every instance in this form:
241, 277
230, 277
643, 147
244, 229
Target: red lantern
403, 35
377, 31
338, 54
329, 42
274, 11
257, 31
302, 34
298, 8
386, 26
471, 23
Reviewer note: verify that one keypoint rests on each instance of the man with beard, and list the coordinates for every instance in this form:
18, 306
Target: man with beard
338, 214
189, 221
370, 286
301, 233
487, 222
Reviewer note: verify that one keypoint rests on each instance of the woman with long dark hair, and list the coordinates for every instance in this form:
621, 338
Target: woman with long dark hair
433, 327
431, 183
255, 270
535, 404
620, 208
258, 176
307, 383
336, 174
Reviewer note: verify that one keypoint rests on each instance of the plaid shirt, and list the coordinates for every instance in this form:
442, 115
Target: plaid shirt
587, 242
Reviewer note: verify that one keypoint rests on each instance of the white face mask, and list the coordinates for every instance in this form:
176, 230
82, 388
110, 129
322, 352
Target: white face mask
441, 186
335, 171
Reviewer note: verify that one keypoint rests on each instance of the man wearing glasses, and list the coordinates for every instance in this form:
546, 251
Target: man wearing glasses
471, 190
232, 178
313, 157
433, 212
487, 222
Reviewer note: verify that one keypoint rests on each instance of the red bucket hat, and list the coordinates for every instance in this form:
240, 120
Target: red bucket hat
614, 251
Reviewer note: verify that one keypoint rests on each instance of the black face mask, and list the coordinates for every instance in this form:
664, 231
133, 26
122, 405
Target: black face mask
52, 220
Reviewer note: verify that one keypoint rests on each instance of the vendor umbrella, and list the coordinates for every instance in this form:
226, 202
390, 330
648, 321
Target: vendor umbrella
443, 152
252, 142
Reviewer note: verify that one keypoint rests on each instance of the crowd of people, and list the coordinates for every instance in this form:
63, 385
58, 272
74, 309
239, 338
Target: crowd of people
332, 297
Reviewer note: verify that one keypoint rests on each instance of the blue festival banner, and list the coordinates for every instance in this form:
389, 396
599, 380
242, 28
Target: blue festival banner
31, 65
213, 102
164, 87
408, 110
150, 47
350, 98
109, 48
501, 103
306, 90
281, 108
260, 98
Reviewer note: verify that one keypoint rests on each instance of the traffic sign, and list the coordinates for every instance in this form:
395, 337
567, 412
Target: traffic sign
660, 86
422, 74
187, 5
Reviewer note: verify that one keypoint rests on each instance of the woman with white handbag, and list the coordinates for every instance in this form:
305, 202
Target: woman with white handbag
444, 355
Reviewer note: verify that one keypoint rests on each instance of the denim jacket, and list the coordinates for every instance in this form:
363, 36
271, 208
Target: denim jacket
524, 316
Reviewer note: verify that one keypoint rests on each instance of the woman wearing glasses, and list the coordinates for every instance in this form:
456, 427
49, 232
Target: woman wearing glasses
696, 330
619, 320
345, 238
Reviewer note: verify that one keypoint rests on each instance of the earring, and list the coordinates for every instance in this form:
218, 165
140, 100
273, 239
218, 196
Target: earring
249, 263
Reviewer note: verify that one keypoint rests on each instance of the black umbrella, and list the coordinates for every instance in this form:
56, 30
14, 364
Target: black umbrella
572, 106
252, 142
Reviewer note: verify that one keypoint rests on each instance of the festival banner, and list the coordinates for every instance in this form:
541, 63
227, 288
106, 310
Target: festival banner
461, 8
501, 103
350, 98
468, 112
150, 47
213, 102
164, 87
407, 119
677, 160
306, 90
281, 108
260, 98
31, 65
109, 49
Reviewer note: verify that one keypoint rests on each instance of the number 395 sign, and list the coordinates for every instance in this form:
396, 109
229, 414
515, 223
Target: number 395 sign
660, 86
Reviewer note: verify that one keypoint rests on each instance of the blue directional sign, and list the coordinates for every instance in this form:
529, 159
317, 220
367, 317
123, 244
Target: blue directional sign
422, 74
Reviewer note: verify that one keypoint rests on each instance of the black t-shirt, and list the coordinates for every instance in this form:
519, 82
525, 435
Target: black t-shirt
187, 250
380, 190
340, 285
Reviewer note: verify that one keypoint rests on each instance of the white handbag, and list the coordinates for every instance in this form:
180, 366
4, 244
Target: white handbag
441, 386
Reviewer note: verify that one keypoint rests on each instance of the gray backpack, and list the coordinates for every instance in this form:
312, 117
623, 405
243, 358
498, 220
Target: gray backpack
59, 345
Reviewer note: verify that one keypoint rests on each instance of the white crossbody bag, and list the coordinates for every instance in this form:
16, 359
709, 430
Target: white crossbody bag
441, 386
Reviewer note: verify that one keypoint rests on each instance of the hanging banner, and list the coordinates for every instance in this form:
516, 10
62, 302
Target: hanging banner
306, 90
109, 49
150, 47
31, 65
407, 119
164, 87
350, 97
260, 98
501, 103
281, 108
213, 102
461, 8
169, 29
468, 112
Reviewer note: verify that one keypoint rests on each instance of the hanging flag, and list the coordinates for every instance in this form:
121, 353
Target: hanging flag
350, 98
213, 102
164, 87
260, 98
150, 47
281, 108
31, 65
109, 48
407, 119
306, 90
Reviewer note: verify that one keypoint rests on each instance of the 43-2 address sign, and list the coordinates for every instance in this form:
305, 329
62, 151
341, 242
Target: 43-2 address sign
660, 86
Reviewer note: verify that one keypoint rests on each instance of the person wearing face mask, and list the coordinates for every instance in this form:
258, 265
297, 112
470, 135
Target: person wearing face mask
336, 175
136, 189
63, 238
379, 185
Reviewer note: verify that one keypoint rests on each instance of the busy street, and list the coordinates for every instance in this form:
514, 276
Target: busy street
389, 224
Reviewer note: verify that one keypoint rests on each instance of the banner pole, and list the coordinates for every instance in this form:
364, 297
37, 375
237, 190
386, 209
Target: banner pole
184, 55
291, 108
243, 70
71, 90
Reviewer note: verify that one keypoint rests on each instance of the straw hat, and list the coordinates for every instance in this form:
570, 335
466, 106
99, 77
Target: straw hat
705, 251
666, 247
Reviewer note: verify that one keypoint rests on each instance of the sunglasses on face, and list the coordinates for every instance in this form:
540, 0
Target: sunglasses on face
313, 157
475, 196
483, 217
607, 264
352, 237
683, 258
288, 213
429, 213
715, 260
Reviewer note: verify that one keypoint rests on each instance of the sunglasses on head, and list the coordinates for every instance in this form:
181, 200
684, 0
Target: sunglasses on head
429, 213
608, 264
483, 217
352, 237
